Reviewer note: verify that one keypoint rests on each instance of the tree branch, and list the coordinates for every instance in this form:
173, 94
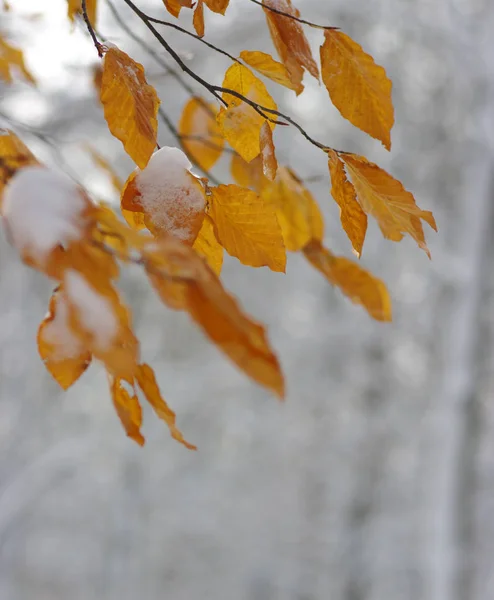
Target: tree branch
289, 16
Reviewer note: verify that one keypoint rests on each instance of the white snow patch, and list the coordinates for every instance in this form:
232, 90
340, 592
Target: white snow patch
43, 209
169, 195
94, 311
58, 334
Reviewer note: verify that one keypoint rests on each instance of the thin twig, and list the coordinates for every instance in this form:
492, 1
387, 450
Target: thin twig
288, 15
97, 45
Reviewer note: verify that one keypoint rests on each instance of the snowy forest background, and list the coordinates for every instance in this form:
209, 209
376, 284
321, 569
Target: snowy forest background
375, 480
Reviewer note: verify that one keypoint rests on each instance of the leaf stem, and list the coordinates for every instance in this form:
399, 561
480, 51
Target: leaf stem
97, 44
294, 17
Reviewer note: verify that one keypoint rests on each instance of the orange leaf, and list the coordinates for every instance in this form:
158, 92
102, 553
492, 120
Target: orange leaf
353, 218
359, 88
247, 174
130, 105
128, 409
385, 198
14, 155
217, 6
290, 42
147, 382
60, 349
268, 157
175, 6
12, 57
356, 283
297, 211
198, 121
198, 19
266, 65
75, 7
208, 246
240, 124
247, 227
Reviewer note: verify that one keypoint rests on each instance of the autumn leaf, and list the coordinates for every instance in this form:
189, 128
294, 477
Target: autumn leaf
268, 157
247, 227
298, 213
12, 58
290, 42
198, 121
217, 6
208, 246
198, 20
353, 218
130, 105
175, 6
14, 155
359, 88
356, 283
266, 65
147, 382
247, 174
240, 124
59, 348
75, 7
385, 199
128, 408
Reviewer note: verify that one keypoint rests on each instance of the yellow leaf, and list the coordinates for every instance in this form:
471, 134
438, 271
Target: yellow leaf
240, 124
356, 283
297, 211
208, 246
128, 409
266, 65
353, 218
247, 174
174, 6
105, 166
75, 7
147, 382
60, 349
247, 227
290, 42
12, 57
217, 6
268, 157
359, 88
198, 121
198, 19
385, 198
14, 155
130, 105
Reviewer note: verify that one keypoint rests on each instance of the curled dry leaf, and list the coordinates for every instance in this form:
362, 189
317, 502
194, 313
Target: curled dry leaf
198, 121
384, 197
356, 283
298, 213
130, 105
217, 6
12, 58
59, 347
175, 6
268, 157
290, 42
240, 124
128, 408
247, 227
359, 88
208, 246
266, 65
198, 20
353, 218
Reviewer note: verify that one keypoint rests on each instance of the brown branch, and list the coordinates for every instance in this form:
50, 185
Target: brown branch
289, 16
97, 45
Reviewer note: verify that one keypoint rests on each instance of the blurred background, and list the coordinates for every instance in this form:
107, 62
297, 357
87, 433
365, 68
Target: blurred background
375, 480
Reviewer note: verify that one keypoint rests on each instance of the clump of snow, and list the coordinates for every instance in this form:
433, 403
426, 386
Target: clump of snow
58, 334
170, 195
94, 311
43, 209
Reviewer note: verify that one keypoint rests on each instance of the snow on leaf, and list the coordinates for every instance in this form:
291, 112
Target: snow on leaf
60, 349
75, 7
356, 283
208, 246
128, 409
247, 227
147, 382
130, 105
384, 198
298, 213
290, 42
198, 121
198, 20
268, 157
359, 88
171, 199
240, 124
12, 58
353, 218
266, 65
